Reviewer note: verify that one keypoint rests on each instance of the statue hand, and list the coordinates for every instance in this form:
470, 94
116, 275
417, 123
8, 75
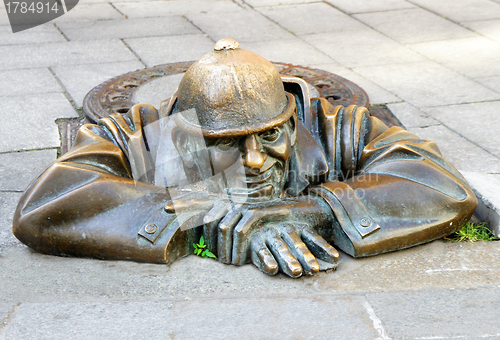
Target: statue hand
292, 247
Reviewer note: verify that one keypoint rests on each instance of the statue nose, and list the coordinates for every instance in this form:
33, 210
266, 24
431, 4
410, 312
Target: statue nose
253, 158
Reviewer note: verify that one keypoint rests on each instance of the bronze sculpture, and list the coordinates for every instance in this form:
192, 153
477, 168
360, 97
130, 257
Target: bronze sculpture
265, 175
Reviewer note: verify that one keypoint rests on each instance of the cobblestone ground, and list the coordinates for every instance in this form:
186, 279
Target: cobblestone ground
436, 64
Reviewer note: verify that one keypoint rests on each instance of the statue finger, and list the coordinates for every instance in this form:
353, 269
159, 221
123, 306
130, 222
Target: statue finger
287, 262
299, 250
319, 247
262, 257
225, 235
188, 203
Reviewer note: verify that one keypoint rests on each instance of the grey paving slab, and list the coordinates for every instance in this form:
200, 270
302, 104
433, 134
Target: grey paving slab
20, 168
443, 314
78, 80
473, 57
427, 84
157, 90
311, 18
8, 204
161, 50
265, 3
27, 81
376, 94
463, 10
361, 48
362, 6
40, 34
490, 82
463, 154
144, 9
28, 121
130, 28
291, 50
414, 25
66, 53
479, 122
230, 26
488, 28
485, 187
91, 12
257, 318
410, 116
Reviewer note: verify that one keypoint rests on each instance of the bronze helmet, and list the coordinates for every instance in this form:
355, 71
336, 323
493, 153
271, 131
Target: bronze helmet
231, 92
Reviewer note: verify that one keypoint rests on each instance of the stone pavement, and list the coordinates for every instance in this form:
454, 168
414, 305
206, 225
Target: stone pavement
436, 64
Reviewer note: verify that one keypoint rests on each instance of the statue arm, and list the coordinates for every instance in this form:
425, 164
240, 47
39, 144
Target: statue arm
88, 204
390, 189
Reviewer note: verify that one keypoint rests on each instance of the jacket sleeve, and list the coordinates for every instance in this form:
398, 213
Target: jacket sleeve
87, 203
387, 188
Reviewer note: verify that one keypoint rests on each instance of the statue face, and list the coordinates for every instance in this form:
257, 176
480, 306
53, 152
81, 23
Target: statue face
265, 160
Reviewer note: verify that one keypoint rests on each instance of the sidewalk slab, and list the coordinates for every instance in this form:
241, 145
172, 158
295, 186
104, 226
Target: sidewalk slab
414, 25
311, 18
266, 3
478, 122
90, 12
472, 57
36, 35
376, 49
8, 204
411, 117
218, 26
460, 152
490, 82
78, 80
463, 10
363, 6
66, 53
130, 28
427, 84
162, 50
145, 9
490, 28
31, 121
27, 81
20, 168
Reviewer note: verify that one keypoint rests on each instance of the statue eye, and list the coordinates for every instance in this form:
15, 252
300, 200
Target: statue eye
270, 135
225, 144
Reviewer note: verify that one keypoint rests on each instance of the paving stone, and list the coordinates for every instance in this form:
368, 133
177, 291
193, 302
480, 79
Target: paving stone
230, 26
414, 25
67, 53
90, 12
144, 9
485, 187
489, 28
311, 18
130, 28
8, 204
266, 3
463, 10
28, 122
27, 81
361, 48
467, 56
362, 6
20, 168
157, 90
291, 50
287, 317
443, 314
490, 82
479, 122
376, 94
158, 50
78, 80
460, 152
426, 84
410, 116
40, 34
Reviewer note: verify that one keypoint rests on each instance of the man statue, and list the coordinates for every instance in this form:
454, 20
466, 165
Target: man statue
267, 176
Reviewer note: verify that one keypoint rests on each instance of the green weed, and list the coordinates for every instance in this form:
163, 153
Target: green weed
472, 232
200, 249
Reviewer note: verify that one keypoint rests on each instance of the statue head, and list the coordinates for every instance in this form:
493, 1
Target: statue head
236, 101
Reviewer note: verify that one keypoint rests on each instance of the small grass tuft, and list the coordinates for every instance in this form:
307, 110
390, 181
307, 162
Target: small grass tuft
472, 232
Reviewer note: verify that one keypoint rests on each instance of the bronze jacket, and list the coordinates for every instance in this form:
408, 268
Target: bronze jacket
387, 188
